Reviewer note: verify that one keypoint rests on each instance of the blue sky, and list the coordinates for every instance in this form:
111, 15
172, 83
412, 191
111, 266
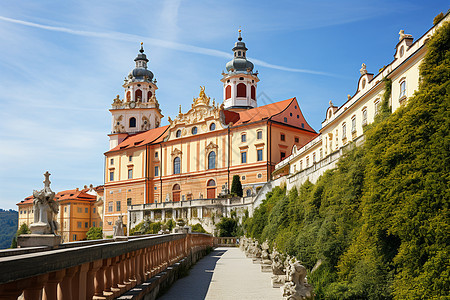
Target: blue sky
62, 63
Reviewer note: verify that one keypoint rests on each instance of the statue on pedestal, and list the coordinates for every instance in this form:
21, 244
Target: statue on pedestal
296, 287
45, 208
118, 227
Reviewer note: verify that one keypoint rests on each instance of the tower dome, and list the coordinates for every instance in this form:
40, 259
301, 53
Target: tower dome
239, 63
140, 72
239, 82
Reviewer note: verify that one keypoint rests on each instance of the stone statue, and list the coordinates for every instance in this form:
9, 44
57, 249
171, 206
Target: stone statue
296, 287
118, 227
363, 69
266, 263
278, 269
45, 208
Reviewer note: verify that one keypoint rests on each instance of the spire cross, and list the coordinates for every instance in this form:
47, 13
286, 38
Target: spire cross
47, 180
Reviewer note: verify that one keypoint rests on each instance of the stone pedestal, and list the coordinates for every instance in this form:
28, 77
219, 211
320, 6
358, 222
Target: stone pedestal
256, 260
266, 267
34, 240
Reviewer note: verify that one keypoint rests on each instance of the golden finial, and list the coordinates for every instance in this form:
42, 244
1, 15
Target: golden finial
142, 43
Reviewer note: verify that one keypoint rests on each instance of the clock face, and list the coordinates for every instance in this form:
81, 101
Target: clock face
132, 104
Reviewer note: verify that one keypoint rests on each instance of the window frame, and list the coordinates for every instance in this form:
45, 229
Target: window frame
176, 164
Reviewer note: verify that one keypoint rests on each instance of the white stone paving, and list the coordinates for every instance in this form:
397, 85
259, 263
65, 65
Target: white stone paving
234, 276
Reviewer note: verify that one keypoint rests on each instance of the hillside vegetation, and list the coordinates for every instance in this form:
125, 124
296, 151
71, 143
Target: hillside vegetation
8, 227
379, 222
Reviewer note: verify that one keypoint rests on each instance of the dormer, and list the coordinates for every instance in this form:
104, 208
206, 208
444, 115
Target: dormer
405, 41
364, 79
330, 111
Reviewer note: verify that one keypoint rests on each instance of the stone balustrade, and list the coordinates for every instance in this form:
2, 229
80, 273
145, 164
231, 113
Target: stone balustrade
94, 271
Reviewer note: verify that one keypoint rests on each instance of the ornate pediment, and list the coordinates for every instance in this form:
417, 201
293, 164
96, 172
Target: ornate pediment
211, 146
200, 110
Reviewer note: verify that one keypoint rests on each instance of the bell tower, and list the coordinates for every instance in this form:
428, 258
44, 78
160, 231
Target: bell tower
239, 82
139, 110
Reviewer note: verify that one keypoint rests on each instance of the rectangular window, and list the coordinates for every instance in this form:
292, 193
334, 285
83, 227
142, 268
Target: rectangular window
110, 206
259, 135
282, 155
130, 158
65, 208
86, 224
377, 107
128, 201
354, 124
118, 206
156, 154
282, 137
307, 161
74, 237
79, 224
243, 157
112, 161
94, 210
344, 128
314, 157
402, 89
296, 139
86, 210
79, 210
93, 224
364, 116
111, 176
243, 138
156, 171
259, 153
301, 165
130, 173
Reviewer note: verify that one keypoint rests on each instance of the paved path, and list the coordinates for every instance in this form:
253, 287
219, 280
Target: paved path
224, 274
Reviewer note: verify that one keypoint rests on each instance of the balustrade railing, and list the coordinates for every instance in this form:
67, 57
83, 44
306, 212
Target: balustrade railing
104, 270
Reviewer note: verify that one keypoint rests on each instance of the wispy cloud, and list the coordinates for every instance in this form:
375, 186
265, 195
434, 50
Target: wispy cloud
157, 42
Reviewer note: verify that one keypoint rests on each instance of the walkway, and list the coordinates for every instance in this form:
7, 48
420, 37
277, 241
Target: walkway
224, 274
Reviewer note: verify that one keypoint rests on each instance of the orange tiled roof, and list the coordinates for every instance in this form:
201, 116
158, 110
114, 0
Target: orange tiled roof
262, 112
80, 195
150, 136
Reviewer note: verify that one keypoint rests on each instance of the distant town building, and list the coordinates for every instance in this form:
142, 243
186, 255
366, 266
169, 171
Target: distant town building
79, 210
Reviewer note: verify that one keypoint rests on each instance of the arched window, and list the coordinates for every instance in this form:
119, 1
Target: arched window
253, 92
211, 189
241, 90
138, 95
149, 95
176, 187
228, 92
248, 192
212, 160
194, 130
178, 134
132, 122
211, 182
177, 165
128, 96
212, 127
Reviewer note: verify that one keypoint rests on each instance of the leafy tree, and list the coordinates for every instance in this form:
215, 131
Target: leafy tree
198, 228
236, 186
94, 233
23, 229
228, 227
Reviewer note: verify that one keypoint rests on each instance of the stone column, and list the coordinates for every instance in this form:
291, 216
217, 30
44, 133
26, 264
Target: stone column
34, 290
50, 289
90, 278
65, 287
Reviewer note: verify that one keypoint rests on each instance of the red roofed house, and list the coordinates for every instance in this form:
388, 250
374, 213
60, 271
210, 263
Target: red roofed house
179, 170
79, 210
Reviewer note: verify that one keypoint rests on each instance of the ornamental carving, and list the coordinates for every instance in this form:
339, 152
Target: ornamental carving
176, 152
211, 146
118, 127
145, 123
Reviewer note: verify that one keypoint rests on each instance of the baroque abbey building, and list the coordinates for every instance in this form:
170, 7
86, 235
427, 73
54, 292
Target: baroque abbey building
182, 170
